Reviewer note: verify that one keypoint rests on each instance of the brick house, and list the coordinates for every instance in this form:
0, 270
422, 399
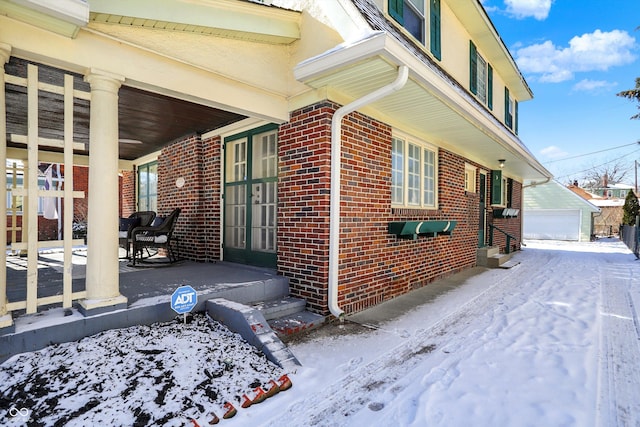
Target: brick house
356, 154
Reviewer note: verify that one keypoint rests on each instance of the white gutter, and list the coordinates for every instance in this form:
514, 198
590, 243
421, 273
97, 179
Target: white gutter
336, 164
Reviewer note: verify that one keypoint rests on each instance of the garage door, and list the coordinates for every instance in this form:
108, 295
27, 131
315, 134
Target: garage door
551, 224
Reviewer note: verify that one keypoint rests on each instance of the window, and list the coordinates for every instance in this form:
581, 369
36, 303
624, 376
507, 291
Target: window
510, 111
411, 15
18, 182
413, 174
480, 77
148, 187
501, 189
469, 178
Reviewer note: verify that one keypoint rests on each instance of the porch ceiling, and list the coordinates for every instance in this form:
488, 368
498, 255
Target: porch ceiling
429, 105
147, 121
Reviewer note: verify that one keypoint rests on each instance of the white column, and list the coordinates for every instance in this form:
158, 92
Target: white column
102, 281
5, 318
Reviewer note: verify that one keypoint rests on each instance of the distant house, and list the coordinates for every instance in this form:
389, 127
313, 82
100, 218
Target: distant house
551, 211
610, 199
361, 148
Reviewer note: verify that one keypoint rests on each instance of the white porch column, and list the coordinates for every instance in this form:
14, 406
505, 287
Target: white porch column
5, 318
102, 281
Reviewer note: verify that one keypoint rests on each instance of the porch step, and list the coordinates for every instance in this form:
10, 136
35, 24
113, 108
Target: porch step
287, 316
497, 260
492, 258
280, 307
510, 264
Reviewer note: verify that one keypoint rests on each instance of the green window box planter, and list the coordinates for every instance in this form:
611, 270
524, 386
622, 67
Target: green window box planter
413, 229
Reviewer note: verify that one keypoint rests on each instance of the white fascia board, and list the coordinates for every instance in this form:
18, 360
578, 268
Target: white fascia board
229, 15
437, 83
72, 11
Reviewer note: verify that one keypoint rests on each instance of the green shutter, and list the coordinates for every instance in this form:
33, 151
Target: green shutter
396, 10
473, 68
515, 119
435, 30
496, 187
508, 120
490, 86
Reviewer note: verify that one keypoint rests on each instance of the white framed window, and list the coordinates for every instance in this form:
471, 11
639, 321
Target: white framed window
469, 178
414, 172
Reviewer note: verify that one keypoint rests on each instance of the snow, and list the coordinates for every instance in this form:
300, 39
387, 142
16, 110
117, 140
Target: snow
553, 341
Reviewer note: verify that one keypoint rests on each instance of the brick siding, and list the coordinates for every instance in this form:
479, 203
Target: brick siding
374, 265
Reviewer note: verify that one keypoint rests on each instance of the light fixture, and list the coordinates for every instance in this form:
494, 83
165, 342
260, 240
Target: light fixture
502, 162
129, 141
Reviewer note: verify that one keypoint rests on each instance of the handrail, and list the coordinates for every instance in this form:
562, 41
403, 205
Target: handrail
508, 236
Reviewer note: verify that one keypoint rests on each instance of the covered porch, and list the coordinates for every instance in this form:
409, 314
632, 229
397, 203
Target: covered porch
78, 100
148, 291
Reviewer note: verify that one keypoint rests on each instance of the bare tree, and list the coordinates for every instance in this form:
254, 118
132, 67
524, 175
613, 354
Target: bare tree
604, 175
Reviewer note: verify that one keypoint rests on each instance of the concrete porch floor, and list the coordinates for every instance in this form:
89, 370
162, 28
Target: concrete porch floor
148, 290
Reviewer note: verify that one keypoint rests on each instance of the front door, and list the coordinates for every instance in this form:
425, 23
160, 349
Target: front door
482, 226
250, 199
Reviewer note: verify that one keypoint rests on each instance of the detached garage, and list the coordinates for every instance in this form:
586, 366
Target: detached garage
553, 212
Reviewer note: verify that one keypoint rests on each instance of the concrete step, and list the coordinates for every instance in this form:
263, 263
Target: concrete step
497, 260
280, 307
295, 323
483, 255
510, 264
287, 315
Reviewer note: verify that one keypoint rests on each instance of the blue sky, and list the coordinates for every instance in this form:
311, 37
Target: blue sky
575, 55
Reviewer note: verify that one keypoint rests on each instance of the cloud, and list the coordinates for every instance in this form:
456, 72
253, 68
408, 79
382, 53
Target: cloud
520, 9
553, 152
597, 51
587, 85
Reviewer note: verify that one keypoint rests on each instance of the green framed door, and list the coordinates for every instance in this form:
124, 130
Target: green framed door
250, 197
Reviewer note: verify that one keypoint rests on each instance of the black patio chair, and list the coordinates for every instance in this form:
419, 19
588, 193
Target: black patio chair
136, 219
159, 236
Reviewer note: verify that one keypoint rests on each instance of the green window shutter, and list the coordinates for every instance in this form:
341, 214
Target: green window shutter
496, 187
508, 120
435, 30
490, 86
396, 10
515, 119
473, 68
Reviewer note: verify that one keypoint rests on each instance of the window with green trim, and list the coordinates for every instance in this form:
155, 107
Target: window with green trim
480, 77
413, 173
510, 111
148, 187
411, 14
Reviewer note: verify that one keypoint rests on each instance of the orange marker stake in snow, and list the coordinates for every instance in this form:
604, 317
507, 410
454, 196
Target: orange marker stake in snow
285, 383
231, 411
274, 389
260, 396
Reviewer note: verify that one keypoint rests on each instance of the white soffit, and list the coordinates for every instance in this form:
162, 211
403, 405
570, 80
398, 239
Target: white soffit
429, 104
63, 17
222, 18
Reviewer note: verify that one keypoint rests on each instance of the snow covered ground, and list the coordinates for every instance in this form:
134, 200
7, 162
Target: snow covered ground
553, 341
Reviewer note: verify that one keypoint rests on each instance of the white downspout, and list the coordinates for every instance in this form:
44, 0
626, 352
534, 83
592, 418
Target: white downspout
336, 150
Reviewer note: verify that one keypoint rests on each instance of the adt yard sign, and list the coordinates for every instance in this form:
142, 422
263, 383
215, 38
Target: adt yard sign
183, 299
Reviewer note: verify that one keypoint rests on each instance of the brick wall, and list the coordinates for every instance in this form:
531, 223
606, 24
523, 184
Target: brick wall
374, 265
198, 162
304, 181
127, 193
513, 226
